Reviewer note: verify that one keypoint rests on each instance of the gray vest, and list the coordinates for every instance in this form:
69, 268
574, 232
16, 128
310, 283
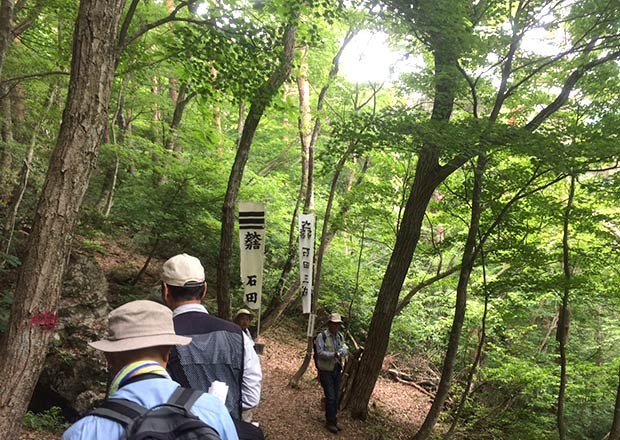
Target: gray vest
215, 357
329, 364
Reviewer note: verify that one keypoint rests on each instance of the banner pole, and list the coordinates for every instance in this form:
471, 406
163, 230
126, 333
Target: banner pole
258, 323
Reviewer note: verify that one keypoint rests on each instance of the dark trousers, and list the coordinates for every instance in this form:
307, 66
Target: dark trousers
330, 381
247, 431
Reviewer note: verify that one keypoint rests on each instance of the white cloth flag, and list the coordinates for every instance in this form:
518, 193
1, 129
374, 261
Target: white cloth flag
306, 259
252, 251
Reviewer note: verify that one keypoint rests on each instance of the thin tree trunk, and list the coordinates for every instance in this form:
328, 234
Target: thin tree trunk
6, 17
145, 266
106, 198
305, 134
34, 311
20, 189
278, 308
469, 255
563, 323
264, 96
294, 382
240, 120
614, 434
6, 136
217, 114
278, 303
110, 198
479, 349
182, 100
306, 192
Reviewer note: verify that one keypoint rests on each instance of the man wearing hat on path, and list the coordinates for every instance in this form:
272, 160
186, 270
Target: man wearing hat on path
141, 334
243, 318
219, 350
331, 353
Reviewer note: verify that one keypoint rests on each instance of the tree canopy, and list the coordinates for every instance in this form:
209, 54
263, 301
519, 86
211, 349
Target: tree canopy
469, 204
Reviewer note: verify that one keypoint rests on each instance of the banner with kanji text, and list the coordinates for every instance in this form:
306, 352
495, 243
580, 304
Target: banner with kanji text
252, 251
306, 259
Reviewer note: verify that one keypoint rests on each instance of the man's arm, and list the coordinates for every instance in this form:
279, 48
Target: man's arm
210, 410
252, 375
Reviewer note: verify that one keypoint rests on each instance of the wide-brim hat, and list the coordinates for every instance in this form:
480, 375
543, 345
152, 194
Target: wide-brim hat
243, 312
335, 318
182, 270
139, 324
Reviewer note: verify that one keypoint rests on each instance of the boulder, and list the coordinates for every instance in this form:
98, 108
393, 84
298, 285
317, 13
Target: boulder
75, 373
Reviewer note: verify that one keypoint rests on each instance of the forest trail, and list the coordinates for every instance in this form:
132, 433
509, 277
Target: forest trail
286, 413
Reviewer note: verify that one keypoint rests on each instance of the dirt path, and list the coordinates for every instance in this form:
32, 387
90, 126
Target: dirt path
285, 413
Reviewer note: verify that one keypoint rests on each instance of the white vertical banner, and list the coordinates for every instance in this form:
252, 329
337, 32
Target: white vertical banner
311, 320
306, 259
252, 251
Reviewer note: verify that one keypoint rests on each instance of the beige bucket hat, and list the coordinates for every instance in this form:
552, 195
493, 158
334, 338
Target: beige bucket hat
139, 324
335, 317
243, 312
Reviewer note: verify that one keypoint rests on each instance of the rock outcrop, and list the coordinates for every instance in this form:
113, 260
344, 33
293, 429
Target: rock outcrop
75, 374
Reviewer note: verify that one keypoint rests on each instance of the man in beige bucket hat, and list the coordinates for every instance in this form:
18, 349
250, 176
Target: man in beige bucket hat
243, 318
331, 353
140, 336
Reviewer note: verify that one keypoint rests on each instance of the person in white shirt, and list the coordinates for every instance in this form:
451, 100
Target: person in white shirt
219, 350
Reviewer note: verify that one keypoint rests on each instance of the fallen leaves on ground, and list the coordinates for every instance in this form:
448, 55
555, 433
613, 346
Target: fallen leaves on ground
286, 413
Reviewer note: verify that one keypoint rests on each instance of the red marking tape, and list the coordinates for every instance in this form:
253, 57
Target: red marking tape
45, 320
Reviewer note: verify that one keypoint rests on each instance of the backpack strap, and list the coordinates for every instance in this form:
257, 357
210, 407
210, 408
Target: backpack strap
119, 410
185, 397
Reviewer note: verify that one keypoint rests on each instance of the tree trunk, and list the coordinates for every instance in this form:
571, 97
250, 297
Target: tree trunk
277, 308
240, 120
469, 256
478, 356
614, 434
20, 189
294, 382
563, 323
6, 17
34, 311
106, 198
387, 300
278, 302
264, 96
145, 266
6, 136
182, 100
429, 174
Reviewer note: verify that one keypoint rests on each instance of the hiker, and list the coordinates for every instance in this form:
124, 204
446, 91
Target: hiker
331, 353
141, 334
219, 351
243, 318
